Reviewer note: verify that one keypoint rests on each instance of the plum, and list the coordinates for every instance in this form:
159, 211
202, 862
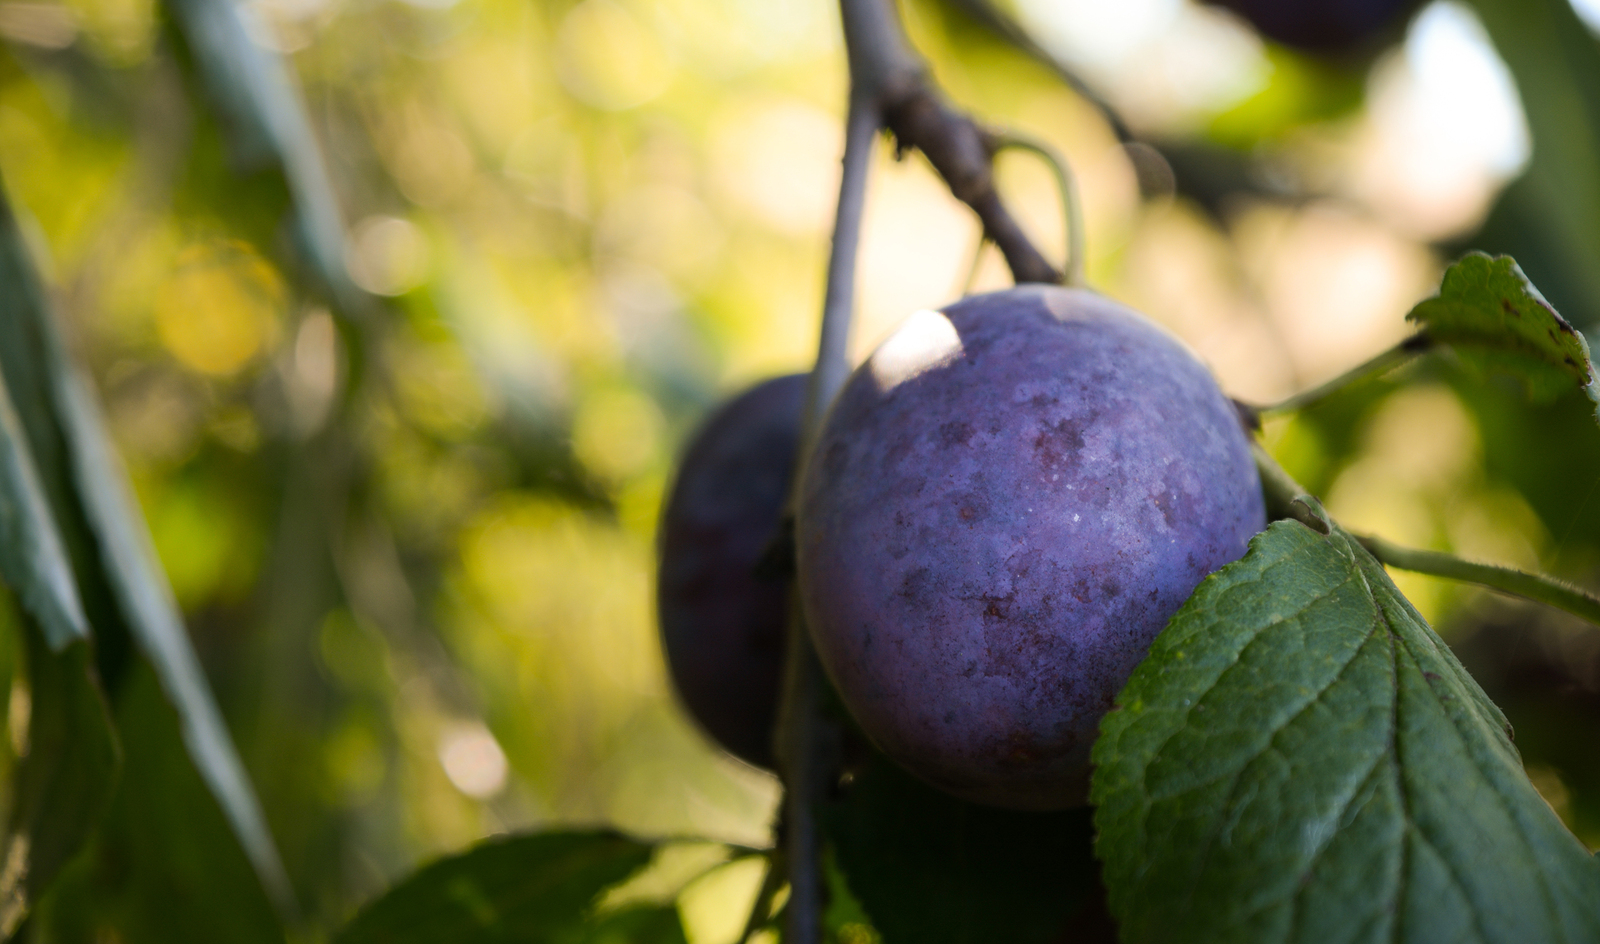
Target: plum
1329, 27
1007, 502
722, 623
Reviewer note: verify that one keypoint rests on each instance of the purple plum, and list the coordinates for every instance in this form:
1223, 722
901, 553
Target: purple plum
1007, 502
1325, 27
722, 623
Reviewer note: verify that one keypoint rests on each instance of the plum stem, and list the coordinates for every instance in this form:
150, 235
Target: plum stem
1066, 186
805, 742
974, 266
1384, 362
1536, 587
833, 359
1283, 498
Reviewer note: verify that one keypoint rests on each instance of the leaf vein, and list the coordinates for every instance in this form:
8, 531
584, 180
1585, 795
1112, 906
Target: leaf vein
1238, 775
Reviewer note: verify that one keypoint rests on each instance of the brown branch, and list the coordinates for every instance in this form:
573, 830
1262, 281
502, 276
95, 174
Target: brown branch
1207, 174
963, 154
886, 72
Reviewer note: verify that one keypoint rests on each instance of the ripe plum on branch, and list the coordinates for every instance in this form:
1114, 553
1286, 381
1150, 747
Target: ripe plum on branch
1007, 502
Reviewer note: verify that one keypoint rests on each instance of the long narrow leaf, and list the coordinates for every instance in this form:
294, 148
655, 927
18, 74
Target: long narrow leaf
167, 868
32, 560
65, 780
90, 493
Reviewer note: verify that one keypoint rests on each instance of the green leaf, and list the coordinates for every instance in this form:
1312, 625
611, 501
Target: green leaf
1497, 322
536, 889
639, 924
146, 602
164, 867
931, 869
64, 782
32, 558
1301, 759
109, 546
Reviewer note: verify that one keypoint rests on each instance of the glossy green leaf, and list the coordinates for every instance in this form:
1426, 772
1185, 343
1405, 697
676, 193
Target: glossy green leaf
534, 889
111, 553
1493, 318
1301, 759
931, 869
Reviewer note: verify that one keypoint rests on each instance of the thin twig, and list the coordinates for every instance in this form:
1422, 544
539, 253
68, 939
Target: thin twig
833, 360
1066, 187
806, 744
1535, 587
1388, 360
1284, 497
975, 266
1278, 487
885, 71
888, 89
1205, 174
804, 760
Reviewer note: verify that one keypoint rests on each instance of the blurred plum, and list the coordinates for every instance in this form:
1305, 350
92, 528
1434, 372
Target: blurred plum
722, 623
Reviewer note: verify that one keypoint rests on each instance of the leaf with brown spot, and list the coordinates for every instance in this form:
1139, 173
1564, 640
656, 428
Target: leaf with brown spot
1496, 322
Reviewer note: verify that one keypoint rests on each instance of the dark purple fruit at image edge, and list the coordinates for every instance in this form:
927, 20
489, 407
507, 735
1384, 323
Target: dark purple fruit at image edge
1321, 26
722, 624
1007, 503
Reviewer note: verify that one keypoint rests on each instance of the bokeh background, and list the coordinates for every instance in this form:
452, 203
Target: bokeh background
415, 547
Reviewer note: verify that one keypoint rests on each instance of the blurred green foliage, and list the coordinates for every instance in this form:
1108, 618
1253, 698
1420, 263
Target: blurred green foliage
403, 473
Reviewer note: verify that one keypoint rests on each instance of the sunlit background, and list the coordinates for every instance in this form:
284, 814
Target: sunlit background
428, 611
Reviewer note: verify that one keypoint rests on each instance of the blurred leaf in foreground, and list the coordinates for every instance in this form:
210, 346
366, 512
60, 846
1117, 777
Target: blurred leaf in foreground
931, 869
535, 889
112, 560
165, 867
1300, 758
32, 560
1497, 322
65, 779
